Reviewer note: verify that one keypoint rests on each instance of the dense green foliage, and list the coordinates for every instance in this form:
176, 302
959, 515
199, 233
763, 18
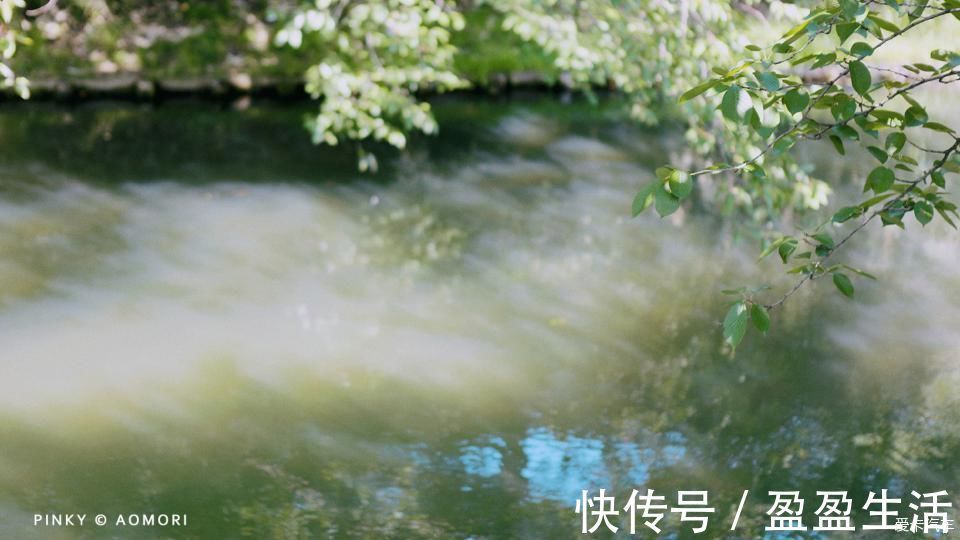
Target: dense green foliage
373, 62
764, 100
9, 39
376, 57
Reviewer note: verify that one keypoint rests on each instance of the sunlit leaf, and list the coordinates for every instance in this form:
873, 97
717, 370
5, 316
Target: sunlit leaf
735, 324
697, 90
895, 141
644, 198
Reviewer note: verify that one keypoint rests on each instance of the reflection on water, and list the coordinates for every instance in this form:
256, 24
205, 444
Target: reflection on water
200, 313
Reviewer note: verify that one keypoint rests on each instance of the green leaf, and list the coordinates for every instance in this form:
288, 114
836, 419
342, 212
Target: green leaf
760, 317
846, 132
872, 201
697, 90
752, 119
843, 283
796, 100
881, 179
937, 126
859, 272
910, 99
782, 145
938, 179
825, 239
803, 59
845, 30
735, 324
846, 214
734, 292
664, 201
794, 33
849, 8
728, 106
923, 211
915, 116
878, 153
786, 249
644, 198
843, 108
861, 49
823, 60
893, 216
771, 247
946, 217
888, 118
952, 58
664, 173
838, 144
918, 9
769, 81
883, 23
869, 127
783, 48
906, 159
680, 184
860, 77
895, 141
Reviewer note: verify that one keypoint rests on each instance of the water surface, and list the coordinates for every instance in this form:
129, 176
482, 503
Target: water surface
202, 313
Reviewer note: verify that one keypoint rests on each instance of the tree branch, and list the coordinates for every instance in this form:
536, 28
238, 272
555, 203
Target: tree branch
49, 6
826, 88
911, 186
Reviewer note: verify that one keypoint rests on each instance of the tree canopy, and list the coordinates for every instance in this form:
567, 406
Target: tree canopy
765, 99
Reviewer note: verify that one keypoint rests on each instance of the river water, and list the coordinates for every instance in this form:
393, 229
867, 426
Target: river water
203, 314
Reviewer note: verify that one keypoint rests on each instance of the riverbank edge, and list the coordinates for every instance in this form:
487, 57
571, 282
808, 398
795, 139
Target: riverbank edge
135, 87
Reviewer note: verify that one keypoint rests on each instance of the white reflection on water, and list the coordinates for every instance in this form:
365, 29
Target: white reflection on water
486, 275
469, 279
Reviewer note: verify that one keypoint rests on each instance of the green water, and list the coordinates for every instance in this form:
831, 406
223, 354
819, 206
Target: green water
203, 314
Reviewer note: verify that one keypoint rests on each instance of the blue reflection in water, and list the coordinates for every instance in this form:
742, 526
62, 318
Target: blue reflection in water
559, 469
636, 462
483, 461
675, 448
